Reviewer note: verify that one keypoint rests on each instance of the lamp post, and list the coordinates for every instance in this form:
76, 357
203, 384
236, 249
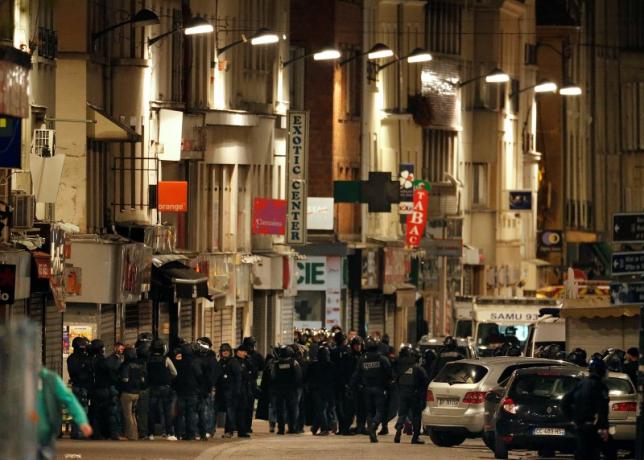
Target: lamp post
195, 26
263, 36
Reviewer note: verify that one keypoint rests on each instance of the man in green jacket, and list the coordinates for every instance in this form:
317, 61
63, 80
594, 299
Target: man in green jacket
53, 395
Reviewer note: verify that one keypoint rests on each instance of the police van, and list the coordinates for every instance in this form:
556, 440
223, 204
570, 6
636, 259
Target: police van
498, 321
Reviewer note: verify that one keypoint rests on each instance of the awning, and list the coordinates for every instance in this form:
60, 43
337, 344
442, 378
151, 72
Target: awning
107, 128
174, 281
592, 308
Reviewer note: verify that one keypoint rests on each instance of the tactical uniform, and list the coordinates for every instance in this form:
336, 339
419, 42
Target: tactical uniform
448, 353
344, 366
375, 375
286, 379
79, 367
206, 360
186, 386
412, 384
244, 406
104, 408
587, 406
228, 388
131, 377
161, 372
321, 381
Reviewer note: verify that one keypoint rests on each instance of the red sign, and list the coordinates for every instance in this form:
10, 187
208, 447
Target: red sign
172, 196
269, 216
418, 218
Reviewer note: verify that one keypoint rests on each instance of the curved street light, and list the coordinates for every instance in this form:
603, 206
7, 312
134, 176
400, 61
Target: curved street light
263, 36
326, 54
416, 56
196, 25
142, 18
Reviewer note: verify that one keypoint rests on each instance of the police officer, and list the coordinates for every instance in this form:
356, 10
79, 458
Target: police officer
429, 357
142, 346
412, 383
103, 397
161, 372
79, 367
375, 375
258, 363
186, 386
356, 388
321, 382
449, 352
286, 380
587, 406
206, 360
246, 398
344, 366
578, 356
228, 388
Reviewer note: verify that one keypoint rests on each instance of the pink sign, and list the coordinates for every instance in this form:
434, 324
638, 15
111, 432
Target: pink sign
269, 216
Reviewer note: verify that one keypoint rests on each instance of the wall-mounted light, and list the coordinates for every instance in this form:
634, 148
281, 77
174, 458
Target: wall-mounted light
570, 89
326, 54
263, 36
377, 51
545, 86
195, 26
497, 76
142, 18
416, 56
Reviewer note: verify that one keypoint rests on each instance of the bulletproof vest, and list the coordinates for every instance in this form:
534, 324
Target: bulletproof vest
135, 378
406, 379
80, 369
246, 370
373, 373
158, 373
284, 372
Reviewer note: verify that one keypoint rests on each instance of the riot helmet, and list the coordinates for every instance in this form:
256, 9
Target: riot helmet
80, 343
97, 347
449, 343
597, 367
371, 345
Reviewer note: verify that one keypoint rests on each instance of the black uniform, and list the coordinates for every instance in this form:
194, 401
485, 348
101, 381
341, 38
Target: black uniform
244, 406
186, 385
79, 367
345, 361
412, 384
228, 389
206, 360
447, 355
161, 372
142, 346
587, 406
374, 374
104, 406
321, 382
286, 380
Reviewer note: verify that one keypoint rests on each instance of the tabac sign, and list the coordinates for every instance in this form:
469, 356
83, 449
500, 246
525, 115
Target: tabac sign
298, 148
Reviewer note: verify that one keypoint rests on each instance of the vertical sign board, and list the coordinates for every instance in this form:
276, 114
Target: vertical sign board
298, 149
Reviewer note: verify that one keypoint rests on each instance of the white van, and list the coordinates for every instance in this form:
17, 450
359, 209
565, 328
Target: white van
498, 320
548, 330
463, 316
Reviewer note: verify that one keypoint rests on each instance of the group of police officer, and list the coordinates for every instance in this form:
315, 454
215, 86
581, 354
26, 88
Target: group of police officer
335, 384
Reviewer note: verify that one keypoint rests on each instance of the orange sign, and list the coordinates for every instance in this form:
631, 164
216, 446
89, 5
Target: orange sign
172, 196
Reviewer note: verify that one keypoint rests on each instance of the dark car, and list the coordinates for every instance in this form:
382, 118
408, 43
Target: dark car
529, 414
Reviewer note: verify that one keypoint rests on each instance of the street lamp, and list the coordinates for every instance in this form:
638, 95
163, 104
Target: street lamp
416, 56
570, 89
195, 26
377, 51
495, 76
545, 86
142, 18
263, 36
326, 54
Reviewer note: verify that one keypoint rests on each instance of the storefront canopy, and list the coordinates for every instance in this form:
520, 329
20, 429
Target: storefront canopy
586, 308
173, 281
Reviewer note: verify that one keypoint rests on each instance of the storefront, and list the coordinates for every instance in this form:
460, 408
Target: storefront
366, 309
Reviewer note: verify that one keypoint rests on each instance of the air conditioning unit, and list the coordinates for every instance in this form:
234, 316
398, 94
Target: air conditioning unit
24, 208
43, 142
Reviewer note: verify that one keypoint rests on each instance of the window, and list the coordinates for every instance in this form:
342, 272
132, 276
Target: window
542, 386
439, 154
619, 387
631, 18
478, 180
443, 25
461, 373
351, 79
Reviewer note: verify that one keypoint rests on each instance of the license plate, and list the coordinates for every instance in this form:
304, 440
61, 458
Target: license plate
549, 432
447, 402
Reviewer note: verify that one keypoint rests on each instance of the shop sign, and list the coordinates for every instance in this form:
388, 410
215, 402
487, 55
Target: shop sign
172, 196
418, 218
7, 284
269, 216
319, 213
298, 122
318, 273
520, 200
550, 241
448, 247
406, 179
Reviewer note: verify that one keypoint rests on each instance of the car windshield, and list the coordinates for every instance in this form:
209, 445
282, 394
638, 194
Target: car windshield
548, 386
463, 328
491, 336
619, 387
463, 373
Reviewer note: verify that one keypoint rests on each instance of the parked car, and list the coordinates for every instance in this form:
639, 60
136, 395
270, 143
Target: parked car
463, 345
455, 398
528, 413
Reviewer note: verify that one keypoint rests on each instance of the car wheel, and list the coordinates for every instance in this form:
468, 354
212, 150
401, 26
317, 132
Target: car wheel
500, 449
444, 439
546, 453
488, 439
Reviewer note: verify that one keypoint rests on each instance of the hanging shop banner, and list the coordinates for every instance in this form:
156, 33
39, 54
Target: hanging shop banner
298, 140
7, 284
406, 178
269, 216
418, 218
172, 196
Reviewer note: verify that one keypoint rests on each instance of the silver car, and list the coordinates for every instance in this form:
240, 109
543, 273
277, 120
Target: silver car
456, 397
622, 413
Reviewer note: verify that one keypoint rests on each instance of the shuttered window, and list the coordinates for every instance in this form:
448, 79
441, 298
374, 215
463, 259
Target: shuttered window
439, 154
444, 26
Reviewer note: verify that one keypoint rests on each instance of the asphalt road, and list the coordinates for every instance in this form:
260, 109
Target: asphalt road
270, 446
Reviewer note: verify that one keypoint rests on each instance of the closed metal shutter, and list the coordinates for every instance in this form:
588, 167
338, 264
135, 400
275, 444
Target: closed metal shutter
185, 322
375, 317
53, 339
288, 304
260, 320
36, 315
208, 326
239, 323
595, 335
227, 325
145, 316
390, 322
108, 326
